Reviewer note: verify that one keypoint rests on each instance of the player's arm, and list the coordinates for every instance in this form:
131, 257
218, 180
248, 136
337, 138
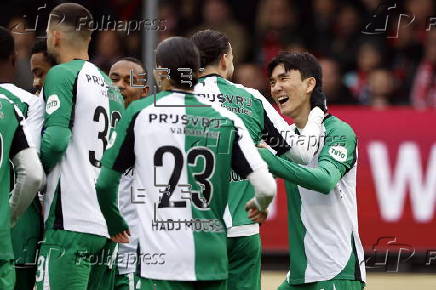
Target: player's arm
58, 117
116, 160
335, 160
281, 136
28, 171
34, 120
248, 164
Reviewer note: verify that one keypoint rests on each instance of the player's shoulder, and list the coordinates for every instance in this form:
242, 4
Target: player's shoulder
335, 125
224, 114
8, 108
65, 72
139, 105
21, 94
71, 66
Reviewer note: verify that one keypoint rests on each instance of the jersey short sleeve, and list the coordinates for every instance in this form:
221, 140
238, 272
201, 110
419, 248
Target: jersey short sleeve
340, 145
59, 96
19, 140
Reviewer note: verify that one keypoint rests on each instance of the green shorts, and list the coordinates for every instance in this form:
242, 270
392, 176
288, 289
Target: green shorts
244, 255
7, 275
67, 260
325, 285
150, 284
26, 237
127, 282
102, 276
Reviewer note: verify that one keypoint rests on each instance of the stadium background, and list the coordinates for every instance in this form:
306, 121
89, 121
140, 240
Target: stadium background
379, 64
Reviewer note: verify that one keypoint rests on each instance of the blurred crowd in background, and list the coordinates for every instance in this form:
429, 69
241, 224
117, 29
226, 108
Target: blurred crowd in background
362, 63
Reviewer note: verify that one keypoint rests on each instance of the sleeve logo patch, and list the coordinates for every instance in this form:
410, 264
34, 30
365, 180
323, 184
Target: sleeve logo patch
339, 153
53, 104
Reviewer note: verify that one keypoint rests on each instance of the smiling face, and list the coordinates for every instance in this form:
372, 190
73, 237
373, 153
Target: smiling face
121, 78
289, 91
39, 66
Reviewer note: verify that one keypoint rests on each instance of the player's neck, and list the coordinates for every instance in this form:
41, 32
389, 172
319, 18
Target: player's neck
68, 55
7, 74
210, 70
301, 118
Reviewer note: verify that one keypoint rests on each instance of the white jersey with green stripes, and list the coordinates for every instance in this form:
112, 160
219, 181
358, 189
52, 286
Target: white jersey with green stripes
182, 148
32, 107
80, 97
324, 240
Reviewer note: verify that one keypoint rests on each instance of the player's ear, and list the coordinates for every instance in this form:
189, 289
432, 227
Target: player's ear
223, 61
310, 84
56, 38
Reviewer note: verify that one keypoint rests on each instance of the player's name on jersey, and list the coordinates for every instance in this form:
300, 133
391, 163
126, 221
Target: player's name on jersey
196, 225
230, 99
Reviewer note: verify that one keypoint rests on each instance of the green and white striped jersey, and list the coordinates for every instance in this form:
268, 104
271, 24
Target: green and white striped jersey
264, 123
26, 232
31, 106
12, 140
323, 230
81, 98
182, 149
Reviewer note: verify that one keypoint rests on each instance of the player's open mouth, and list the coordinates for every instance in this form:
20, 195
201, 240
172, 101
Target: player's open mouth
282, 100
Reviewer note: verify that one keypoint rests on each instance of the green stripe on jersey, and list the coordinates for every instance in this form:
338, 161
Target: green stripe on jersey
207, 175
10, 143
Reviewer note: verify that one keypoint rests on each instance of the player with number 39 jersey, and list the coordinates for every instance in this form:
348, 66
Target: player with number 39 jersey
78, 98
81, 108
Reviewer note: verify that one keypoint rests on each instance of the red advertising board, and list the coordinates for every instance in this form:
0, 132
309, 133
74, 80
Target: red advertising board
396, 179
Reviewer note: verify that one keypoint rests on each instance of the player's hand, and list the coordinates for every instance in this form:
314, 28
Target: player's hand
262, 144
254, 213
122, 237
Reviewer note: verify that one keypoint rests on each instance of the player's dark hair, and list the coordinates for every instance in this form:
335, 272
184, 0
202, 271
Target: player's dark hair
74, 16
7, 46
305, 63
131, 59
40, 46
176, 53
212, 45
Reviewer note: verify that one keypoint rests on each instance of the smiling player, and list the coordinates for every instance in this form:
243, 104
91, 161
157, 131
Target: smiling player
324, 245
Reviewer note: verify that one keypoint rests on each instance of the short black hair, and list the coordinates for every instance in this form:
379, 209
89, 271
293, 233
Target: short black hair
305, 63
175, 53
40, 46
74, 16
131, 59
7, 45
212, 45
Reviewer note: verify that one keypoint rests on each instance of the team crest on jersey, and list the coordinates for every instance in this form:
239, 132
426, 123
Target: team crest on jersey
339, 153
53, 104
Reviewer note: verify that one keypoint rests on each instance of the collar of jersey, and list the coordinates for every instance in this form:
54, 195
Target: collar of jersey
211, 75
